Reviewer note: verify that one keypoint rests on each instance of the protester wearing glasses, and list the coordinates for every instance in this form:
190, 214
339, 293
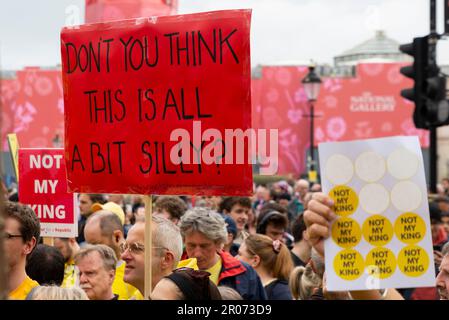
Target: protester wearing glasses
186, 284
166, 252
204, 233
22, 230
105, 227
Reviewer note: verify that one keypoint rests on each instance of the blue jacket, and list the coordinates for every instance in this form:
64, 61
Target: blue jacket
241, 277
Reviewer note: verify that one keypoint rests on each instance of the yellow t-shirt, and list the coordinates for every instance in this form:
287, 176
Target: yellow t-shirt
137, 296
21, 292
124, 290
188, 263
69, 274
215, 271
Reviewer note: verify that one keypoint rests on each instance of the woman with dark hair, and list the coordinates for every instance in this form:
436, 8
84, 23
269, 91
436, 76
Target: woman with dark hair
186, 284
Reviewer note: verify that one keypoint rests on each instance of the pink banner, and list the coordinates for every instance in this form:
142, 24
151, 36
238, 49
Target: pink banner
107, 10
366, 106
33, 108
279, 103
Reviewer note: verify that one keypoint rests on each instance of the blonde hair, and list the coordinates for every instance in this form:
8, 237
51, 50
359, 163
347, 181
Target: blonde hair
445, 249
302, 282
278, 262
58, 293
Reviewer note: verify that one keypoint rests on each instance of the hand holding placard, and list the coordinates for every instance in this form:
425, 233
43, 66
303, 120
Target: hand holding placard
381, 238
318, 217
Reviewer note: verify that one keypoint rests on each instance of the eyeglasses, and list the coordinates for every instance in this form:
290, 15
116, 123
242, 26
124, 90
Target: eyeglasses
133, 248
10, 236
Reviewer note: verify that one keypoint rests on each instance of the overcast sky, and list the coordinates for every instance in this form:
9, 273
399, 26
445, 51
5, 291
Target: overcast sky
282, 30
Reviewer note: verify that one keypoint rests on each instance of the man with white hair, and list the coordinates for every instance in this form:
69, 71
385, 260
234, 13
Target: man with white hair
204, 233
96, 266
166, 253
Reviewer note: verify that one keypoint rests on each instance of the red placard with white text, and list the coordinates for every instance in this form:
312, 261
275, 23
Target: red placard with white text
133, 87
43, 187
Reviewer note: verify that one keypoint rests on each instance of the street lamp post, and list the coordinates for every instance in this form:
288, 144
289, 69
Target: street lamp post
312, 84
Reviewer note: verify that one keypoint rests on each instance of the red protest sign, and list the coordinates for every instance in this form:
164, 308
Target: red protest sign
43, 187
153, 105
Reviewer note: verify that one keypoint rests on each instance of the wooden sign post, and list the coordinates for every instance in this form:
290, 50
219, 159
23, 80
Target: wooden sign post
148, 200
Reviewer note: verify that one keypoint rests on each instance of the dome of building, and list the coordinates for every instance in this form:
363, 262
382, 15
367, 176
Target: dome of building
379, 48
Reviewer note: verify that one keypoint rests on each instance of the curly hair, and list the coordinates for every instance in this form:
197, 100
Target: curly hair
175, 206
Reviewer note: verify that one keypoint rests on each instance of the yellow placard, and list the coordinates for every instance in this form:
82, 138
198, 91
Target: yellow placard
381, 262
14, 151
346, 232
349, 264
312, 176
345, 200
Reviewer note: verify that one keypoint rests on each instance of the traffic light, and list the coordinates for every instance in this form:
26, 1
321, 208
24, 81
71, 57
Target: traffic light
429, 90
436, 103
419, 51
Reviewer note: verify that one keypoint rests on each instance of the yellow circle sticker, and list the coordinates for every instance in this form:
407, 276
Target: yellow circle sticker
410, 228
346, 232
345, 200
348, 264
377, 230
413, 261
380, 263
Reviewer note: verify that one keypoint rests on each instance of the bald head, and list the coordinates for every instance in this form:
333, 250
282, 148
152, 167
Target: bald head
104, 227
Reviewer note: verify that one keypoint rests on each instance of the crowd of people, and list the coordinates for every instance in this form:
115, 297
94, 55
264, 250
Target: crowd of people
265, 247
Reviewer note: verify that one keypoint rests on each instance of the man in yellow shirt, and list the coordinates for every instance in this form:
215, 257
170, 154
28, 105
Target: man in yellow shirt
105, 227
68, 247
22, 231
166, 253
